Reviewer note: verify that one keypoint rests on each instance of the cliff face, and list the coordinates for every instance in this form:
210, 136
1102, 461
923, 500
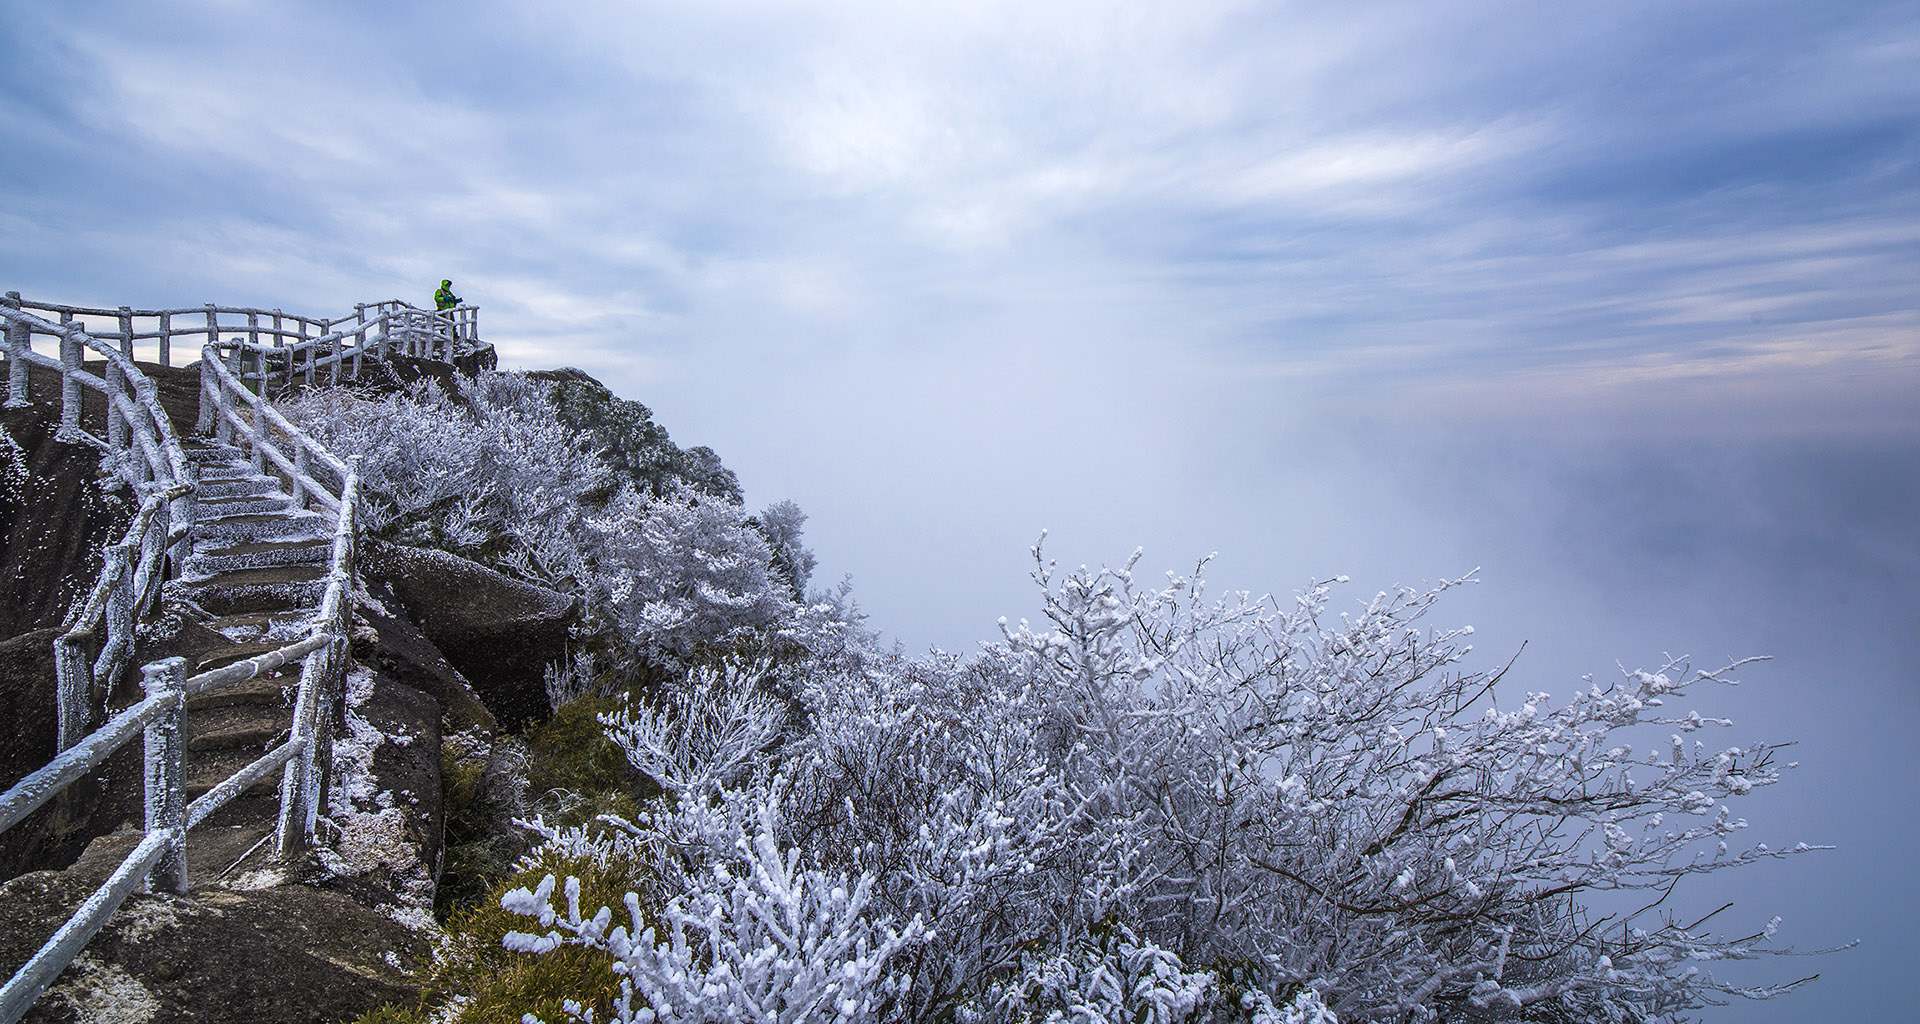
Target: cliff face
53, 521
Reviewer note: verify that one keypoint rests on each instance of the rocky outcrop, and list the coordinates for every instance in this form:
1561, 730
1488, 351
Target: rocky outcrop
500, 633
221, 956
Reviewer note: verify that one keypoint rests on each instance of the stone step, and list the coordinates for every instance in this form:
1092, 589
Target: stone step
243, 505
248, 485
293, 524
275, 588
221, 472
254, 727
275, 691
208, 560
200, 450
247, 627
207, 769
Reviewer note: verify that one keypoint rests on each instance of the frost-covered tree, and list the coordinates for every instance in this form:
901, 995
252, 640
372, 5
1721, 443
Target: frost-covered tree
1158, 806
501, 469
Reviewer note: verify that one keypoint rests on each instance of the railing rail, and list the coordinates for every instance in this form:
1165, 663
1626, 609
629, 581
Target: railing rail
153, 463
156, 334
141, 450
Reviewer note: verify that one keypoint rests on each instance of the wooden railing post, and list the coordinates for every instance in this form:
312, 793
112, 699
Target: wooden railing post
301, 470
116, 423
165, 341
118, 643
204, 423
69, 383
298, 782
126, 331
223, 402
359, 336
19, 343
213, 327
73, 679
166, 805
181, 513
257, 434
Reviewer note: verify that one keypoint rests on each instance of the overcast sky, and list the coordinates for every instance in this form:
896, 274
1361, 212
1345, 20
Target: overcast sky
1618, 302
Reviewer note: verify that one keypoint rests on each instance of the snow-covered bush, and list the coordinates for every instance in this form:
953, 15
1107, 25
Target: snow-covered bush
494, 471
1162, 806
682, 570
632, 444
749, 935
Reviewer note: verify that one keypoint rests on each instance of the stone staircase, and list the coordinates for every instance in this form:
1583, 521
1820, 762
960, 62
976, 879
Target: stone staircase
258, 570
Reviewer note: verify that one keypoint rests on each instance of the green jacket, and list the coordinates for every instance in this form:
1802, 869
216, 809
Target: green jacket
443, 298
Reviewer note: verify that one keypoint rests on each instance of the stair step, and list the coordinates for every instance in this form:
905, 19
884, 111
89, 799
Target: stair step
207, 769
237, 486
247, 627
292, 524
244, 505
255, 590
269, 691
254, 727
208, 559
203, 451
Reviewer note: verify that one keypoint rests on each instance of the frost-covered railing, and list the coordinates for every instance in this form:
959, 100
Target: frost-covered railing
375, 331
161, 855
140, 448
265, 345
234, 414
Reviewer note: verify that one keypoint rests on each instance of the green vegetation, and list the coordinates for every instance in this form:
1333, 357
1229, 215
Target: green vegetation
498, 985
632, 444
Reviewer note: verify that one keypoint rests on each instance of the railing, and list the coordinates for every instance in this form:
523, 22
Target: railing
161, 855
234, 413
270, 343
142, 451
152, 335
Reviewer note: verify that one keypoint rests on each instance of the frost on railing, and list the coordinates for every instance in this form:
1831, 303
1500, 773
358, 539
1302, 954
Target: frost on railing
140, 448
276, 344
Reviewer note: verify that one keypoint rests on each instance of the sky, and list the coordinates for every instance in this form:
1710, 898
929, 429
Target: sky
1617, 303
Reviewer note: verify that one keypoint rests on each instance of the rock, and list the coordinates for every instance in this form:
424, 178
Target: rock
288, 954
54, 518
391, 830
396, 649
500, 633
55, 833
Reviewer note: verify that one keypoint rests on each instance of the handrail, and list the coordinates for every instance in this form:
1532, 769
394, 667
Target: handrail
274, 330
128, 583
143, 452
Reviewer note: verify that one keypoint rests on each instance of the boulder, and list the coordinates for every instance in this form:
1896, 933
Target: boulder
500, 633
287, 954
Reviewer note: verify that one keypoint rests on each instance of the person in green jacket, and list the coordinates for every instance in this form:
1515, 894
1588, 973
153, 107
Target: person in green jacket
444, 298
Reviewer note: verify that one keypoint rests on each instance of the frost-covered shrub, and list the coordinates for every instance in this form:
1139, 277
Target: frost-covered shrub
481, 471
1235, 804
792, 563
495, 470
682, 570
751, 933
